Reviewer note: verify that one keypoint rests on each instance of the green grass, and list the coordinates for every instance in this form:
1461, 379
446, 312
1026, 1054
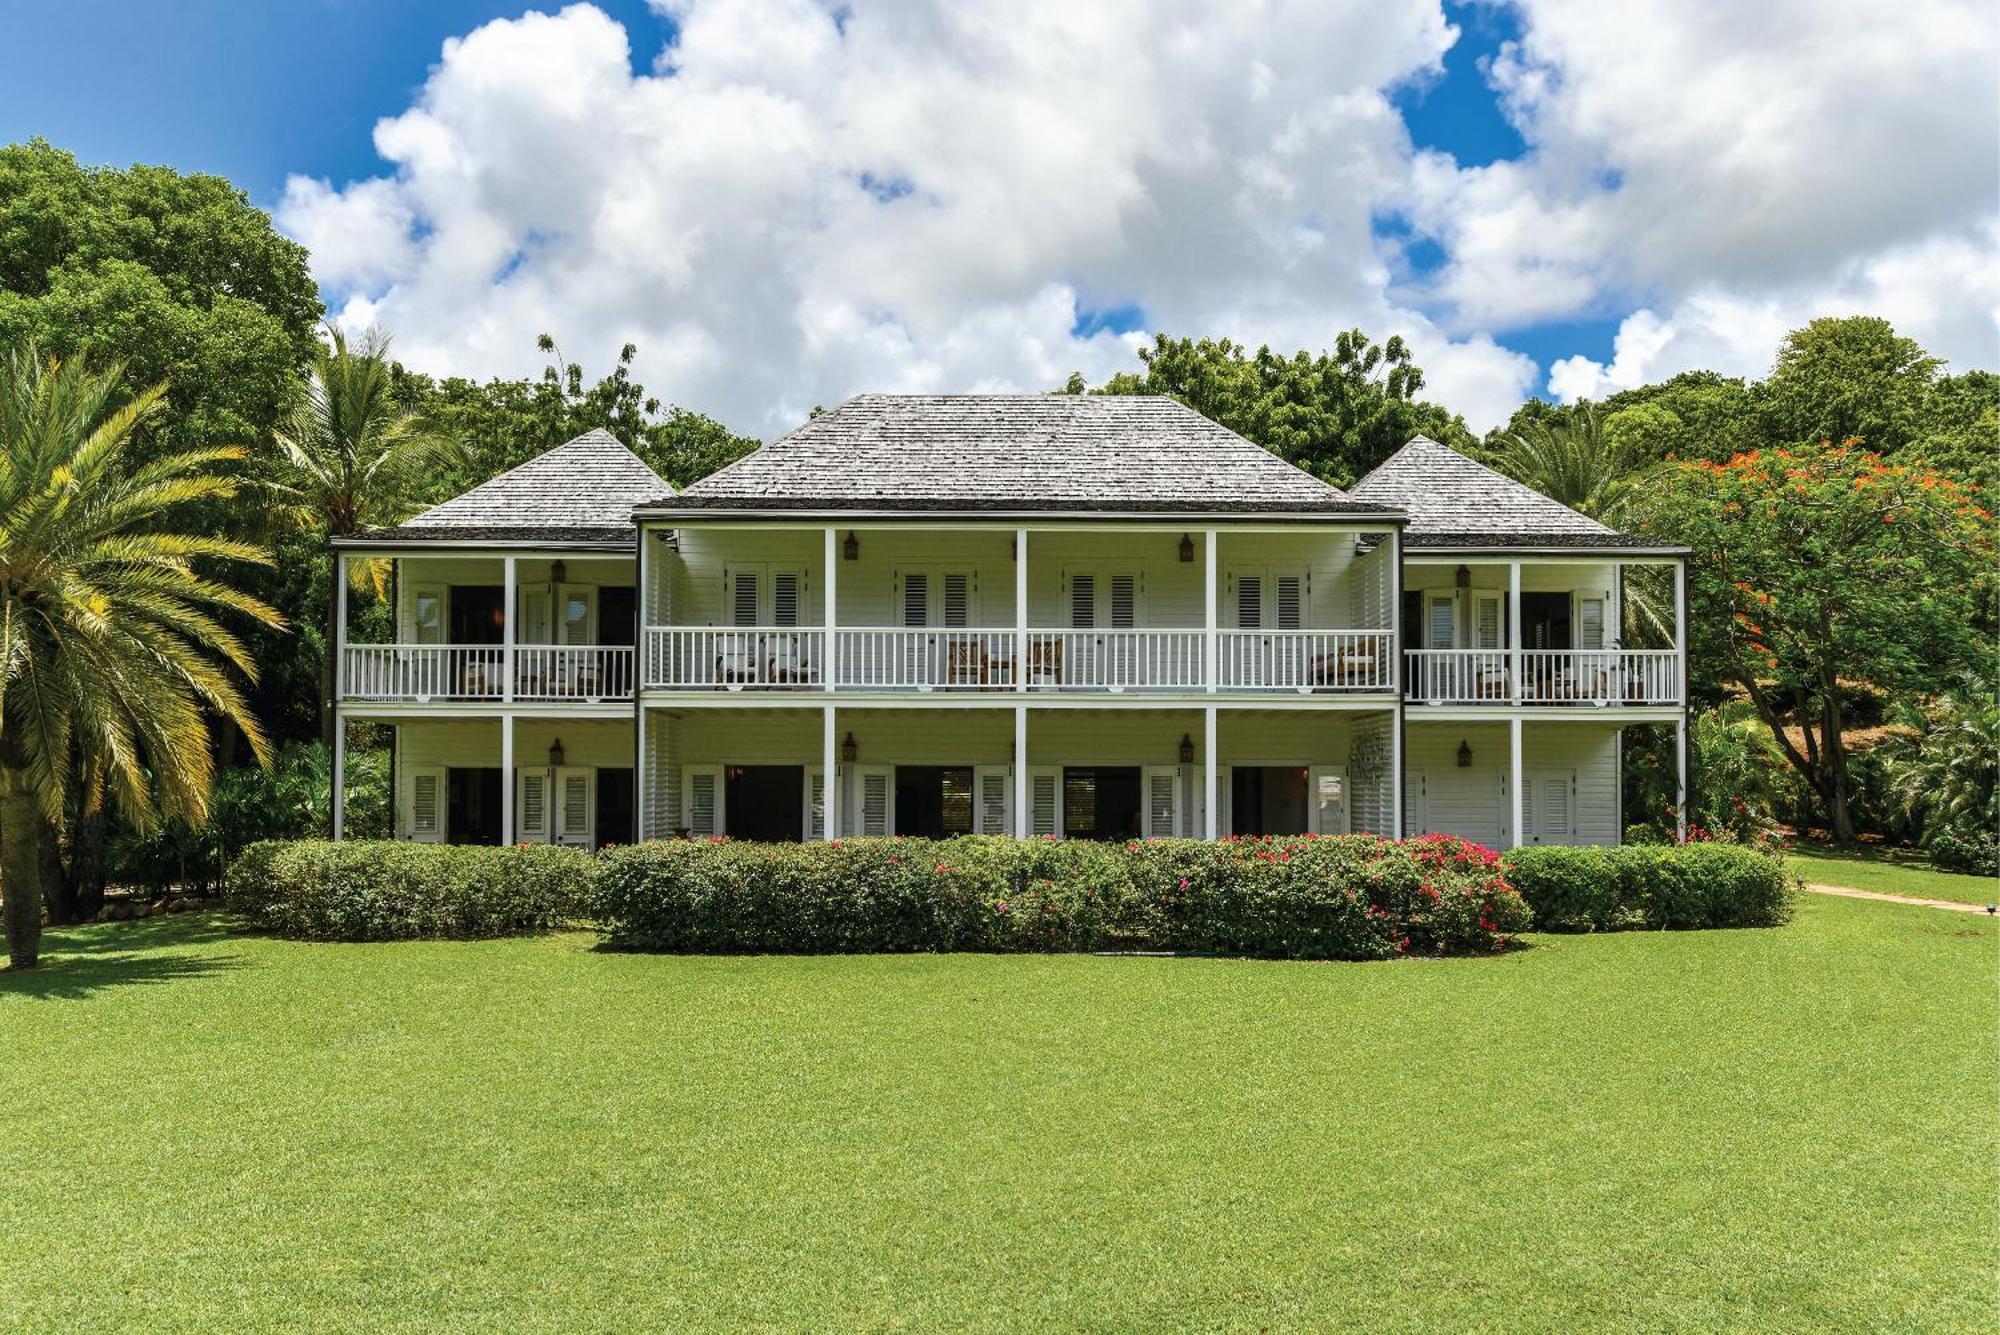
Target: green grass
1787, 1128
1890, 872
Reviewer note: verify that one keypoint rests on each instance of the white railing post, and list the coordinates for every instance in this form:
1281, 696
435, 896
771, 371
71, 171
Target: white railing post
829, 650
1021, 614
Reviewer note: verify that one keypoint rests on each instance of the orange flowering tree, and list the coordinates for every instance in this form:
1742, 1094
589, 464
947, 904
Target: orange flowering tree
1818, 564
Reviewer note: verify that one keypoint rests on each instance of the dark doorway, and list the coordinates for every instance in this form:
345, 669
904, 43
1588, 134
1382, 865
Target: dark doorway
615, 810
472, 806
1413, 618
617, 615
1545, 619
476, 613
933, 801
766, 803
1101, 802
1268, 799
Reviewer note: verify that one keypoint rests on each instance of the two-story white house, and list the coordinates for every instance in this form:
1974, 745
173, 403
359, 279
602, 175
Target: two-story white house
1080, 616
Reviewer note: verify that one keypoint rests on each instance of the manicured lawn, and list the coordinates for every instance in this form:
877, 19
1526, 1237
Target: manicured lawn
1891, 872
1788, 1128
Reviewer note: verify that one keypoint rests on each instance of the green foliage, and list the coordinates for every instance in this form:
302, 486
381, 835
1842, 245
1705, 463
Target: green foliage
508, 422
1574, 460
1336, 414
1742, 787
177, 278
369, 891
1694, 415
1820, 563
1848, 379
1944, 775
1311, 898
1700, 885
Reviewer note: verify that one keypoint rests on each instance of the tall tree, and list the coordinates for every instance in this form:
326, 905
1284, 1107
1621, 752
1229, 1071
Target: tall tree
1854, 378
352, 458
1335, 414
112, 637
1574, 460
1820, 566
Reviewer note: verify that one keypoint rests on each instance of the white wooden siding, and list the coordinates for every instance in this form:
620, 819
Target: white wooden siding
1474, 803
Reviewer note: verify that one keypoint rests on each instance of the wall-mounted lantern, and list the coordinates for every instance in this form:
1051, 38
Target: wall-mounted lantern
1465, 755
558, 573
848, 750
1187, 550
850, 550
556, 754
1187, 749
1464, 580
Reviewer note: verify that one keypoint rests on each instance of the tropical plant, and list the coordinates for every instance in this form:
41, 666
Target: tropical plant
1573, 459
1945, 772
111, 637
353, 458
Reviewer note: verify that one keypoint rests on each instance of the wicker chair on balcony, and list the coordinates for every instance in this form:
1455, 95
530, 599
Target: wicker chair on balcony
965, 664
737, 665
788, 664
1045, 662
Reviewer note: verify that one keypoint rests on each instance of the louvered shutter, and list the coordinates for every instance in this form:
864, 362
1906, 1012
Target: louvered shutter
1329, 799
1163, 804
1083, 601
573, 815
743, 597
1044, 802
1530, 824
531, 806
426, 811
1486, 621
1554, 814
787, 590
1416, 803
993, 793
1225, 801
957, 600
535, 600
579, 607
874, 803
916, 599
1249, 602
1124, 602
1290, 591
815, 804
1438, 625
1590, 623
702, 786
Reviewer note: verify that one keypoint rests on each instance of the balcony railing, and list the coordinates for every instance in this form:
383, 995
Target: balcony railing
1548, 676
423, 673
1114, 661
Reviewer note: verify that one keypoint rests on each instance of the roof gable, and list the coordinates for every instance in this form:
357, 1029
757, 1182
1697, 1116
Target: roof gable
1035, 452
582, 489
1454, 501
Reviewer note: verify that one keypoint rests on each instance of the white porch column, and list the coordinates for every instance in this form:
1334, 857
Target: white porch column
1396, 827
507, 636
1021, 631
1514, 627
1024, 823
1514, 782
1615, 637
1209, 648
640, 790
506, 777
340, 773
1681, 723
1680, 628
1212, 816
829, 775
827, 655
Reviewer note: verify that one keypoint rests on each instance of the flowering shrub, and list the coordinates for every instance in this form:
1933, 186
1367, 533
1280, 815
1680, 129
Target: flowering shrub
1701, 884
1299, 897
366, 890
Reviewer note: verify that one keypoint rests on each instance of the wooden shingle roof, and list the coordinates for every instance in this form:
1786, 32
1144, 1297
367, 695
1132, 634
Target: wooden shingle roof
581, 491
1012, 452
1453, 501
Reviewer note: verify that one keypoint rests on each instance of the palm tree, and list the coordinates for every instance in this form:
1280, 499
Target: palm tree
1945, 773
111, 644
352, 459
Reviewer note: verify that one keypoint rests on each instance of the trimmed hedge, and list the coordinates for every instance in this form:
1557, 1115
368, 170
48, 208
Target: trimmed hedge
366, 890
1355, 897
1652, 885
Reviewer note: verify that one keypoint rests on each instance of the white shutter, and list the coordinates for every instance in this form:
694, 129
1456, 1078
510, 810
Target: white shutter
1083, 601
701, 800
916, 598
1548, 800
1590, 623
1124, 602
424, 816
1163, 801
1416, 803
1249, 602
787, 592
1438, 622
535, 601
1291, 602
874, 814
993, 796
1329, 800
1486, 621
574, 814
1225, 801
1044, 801
957, 600
579, 614
427, 614
531, 807
815, 803
745, 588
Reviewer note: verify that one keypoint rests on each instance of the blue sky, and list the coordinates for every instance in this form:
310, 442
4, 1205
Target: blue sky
1514, 266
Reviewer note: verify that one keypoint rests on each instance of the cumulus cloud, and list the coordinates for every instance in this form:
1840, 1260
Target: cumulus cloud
1731, 169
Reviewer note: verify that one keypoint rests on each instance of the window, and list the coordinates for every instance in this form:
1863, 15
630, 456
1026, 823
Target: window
1439, 621
1589, 622
1271, 600
945, 598
916, 599
743, 609
1249, 601
1486, 620
760, 596
1083, 601
1104, 600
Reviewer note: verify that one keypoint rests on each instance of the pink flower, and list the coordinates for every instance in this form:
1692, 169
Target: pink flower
1184, 882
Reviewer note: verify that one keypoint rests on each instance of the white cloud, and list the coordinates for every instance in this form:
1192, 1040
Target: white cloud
1725, 162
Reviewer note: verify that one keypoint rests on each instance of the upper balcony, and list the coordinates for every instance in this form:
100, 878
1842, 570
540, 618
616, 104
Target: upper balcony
1140, 609
452, 633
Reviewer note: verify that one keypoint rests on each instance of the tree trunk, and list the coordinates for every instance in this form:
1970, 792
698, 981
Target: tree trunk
86, 863
20, 868
58, 892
